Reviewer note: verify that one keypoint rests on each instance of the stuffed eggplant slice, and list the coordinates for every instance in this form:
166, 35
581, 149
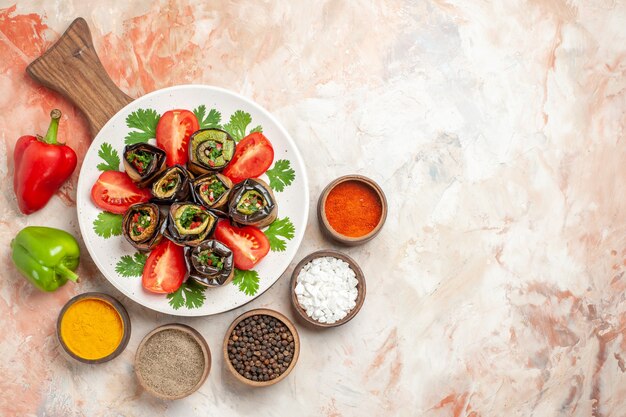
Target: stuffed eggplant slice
172, 185
143, 226
189, 224
252, 203
211, 190
210, 150
143, 162
210, 263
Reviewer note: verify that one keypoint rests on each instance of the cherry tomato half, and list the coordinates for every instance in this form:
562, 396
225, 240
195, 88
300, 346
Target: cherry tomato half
253, 156
115, 192
172, 134
165, 268
249, 244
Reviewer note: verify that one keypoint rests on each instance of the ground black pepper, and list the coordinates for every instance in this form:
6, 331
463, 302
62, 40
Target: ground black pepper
260, 348
171, 362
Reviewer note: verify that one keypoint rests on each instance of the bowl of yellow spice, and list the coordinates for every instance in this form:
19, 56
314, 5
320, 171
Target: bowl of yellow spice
93, 327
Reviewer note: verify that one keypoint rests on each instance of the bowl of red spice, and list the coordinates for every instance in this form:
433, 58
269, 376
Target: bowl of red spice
352, 209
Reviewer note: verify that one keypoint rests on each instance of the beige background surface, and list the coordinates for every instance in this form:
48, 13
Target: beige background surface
497, 131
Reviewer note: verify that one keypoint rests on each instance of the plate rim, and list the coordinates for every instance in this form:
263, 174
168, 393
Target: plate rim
297, 241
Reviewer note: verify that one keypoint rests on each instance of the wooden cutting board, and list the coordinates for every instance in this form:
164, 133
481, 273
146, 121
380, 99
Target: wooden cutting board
71, 67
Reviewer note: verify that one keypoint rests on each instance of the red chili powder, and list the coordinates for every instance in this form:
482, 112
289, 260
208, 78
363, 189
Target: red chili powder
353, 209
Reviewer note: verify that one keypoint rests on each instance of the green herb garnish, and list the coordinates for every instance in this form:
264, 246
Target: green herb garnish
145, 122
279, 232
108, 224
190, 295
251, 202
191, 215
140, 160
110, 156
238, 124
207, 121
141, 221
281, 175
212, 151
215, 186
210, 259
215, 153
131, 266
247, 281
170, 181
169, 184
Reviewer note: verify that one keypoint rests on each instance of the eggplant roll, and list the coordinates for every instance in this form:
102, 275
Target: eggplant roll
143, 162
210, 150
210, 263
211, 190
189, 223
172, 185
252, 203
143, 226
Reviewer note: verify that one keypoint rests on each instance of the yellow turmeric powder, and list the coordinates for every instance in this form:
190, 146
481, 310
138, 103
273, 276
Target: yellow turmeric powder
92, 328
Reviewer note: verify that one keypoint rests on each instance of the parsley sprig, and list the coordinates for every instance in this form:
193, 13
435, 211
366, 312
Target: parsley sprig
131, 266
247, 281
190, 295
108, 224
281, 175
144, 121
210, 120
279, 232
110, 156
238, 124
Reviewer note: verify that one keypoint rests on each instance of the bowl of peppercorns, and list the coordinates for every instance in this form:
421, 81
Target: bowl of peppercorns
261, 347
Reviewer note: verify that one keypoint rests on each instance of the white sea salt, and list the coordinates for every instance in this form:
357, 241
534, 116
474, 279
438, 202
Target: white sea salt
326, 288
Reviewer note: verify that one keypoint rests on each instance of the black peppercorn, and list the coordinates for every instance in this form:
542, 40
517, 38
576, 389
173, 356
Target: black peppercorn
261, 348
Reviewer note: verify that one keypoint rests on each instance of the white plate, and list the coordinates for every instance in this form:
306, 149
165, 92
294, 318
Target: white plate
293, 201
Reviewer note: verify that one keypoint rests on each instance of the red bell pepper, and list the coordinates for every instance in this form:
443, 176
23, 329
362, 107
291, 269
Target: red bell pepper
42, 165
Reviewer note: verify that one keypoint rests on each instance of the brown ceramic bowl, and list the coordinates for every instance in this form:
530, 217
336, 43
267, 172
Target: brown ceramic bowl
360, 298
205, 351
113, 303
332, 233
278, 316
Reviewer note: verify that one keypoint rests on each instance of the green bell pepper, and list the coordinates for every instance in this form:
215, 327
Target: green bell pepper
46, 256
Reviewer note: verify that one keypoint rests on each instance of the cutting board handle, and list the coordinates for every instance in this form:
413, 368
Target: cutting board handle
72, 67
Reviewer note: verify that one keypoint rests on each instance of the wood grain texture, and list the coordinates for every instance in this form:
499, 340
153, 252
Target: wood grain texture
72, 67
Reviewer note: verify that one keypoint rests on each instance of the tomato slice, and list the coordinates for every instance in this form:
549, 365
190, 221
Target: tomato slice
165, 268
253, 156
172, 134
115, 192
249, 244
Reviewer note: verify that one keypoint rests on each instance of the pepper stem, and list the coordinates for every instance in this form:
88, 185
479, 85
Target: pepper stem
51, 135
64, 271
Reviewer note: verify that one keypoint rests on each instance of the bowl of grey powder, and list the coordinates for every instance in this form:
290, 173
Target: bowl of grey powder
327, 289
172, 361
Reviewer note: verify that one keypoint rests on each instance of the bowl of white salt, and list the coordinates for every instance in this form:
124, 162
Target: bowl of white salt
327, 289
